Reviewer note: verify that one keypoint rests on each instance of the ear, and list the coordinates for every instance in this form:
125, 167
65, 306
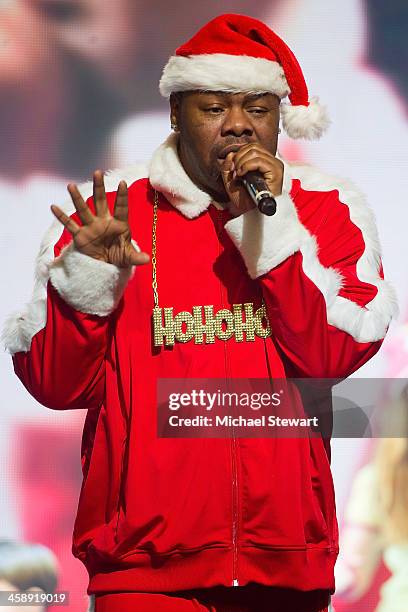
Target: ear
175, 100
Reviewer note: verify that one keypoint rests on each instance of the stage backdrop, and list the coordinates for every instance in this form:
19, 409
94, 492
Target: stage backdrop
78, 91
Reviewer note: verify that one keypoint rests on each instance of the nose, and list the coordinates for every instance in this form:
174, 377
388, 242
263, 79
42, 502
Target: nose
236, 123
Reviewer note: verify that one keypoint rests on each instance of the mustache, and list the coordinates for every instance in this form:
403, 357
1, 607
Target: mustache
230, 141
215, 170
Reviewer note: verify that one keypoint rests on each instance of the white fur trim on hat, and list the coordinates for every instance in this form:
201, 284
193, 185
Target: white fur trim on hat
223, 72
309, 122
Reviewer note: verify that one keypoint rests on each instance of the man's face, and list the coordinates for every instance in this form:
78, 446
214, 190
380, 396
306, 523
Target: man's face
212, 124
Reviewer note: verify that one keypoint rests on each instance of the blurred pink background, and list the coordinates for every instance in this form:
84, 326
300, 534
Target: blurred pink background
79, 91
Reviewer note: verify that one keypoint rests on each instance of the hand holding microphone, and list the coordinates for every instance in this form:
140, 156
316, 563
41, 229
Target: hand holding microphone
252, 177
258, 190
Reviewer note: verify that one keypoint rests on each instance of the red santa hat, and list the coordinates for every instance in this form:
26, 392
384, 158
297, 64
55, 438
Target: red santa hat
236, 53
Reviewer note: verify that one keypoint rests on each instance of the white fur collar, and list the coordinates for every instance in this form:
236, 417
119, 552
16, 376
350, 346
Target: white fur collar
167, 175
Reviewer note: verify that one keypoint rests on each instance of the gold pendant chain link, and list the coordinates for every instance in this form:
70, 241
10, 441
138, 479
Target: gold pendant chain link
154, 244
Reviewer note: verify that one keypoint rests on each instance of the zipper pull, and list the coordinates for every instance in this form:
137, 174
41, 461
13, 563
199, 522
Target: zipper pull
235, 582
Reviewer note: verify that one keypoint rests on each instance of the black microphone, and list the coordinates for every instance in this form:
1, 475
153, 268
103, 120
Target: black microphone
258, 190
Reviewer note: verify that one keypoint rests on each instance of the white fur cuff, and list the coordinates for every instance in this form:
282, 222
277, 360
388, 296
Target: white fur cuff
265, 242
87, 284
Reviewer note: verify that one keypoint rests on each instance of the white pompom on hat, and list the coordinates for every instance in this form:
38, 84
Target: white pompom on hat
236, 53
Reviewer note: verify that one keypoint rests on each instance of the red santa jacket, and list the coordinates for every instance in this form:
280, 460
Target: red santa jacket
161, 514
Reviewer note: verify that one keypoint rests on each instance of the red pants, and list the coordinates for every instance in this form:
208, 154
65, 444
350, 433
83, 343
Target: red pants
249, 598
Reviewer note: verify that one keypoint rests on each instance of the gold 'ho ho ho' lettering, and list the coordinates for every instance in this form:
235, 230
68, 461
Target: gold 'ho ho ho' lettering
172, 329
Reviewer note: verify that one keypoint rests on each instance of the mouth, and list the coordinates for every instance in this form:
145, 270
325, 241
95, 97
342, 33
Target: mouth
232, 148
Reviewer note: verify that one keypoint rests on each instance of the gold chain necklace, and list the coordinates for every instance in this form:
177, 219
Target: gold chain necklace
222, 325
154, 260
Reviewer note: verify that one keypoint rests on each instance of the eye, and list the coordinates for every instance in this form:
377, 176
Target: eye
214, 110
258, 111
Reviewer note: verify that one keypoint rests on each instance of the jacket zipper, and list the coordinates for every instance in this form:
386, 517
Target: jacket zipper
234, 511
233, 446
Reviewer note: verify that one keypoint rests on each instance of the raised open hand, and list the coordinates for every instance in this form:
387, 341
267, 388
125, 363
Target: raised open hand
102, 236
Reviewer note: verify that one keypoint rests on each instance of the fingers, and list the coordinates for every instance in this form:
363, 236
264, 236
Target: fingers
254, 157
121, 203
83, 211
262, 164
228, 174
234, 188
66, 221
137, 258
99, 195
253, 148
227, 168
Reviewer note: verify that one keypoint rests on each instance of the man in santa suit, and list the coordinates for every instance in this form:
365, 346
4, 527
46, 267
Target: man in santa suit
173, 272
